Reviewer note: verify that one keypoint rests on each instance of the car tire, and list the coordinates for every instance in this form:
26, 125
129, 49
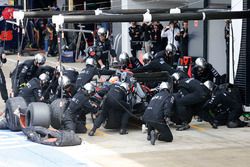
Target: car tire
58, 107
38, 114
12, 117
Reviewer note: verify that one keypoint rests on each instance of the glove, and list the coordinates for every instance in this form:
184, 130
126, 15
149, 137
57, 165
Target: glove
23, 85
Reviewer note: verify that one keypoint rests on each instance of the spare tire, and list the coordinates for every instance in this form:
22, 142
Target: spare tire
58, 107
12, 117
38, 114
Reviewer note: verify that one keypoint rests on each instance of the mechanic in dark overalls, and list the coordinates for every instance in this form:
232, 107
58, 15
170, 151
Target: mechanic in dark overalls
159, 109
3, 89
103, 49
80, 105
32, 92
224, 107
204, 71
191, 96
65, 89
88, 73
26, 71
129, 62
115, 101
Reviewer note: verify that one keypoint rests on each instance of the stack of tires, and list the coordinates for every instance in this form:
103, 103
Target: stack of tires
36, 113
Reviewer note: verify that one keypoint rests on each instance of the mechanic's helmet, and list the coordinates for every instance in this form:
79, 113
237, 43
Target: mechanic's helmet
60, 68
114, 79
102, 31
71, 69
91, 51
90, 61
169, 48
44, 78
125, 86
200, 62
40, 59
64, 81
209, 85
124, 58
147, 57
176, 76
165, 85
89, 87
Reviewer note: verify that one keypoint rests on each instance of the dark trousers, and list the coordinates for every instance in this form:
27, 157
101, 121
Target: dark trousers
3, 89
110, 106
164, 132
134, 48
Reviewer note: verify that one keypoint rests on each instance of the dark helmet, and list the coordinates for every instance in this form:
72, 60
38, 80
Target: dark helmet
124, 58
40, 59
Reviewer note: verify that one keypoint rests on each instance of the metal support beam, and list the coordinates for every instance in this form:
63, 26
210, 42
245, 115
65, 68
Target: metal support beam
158, 17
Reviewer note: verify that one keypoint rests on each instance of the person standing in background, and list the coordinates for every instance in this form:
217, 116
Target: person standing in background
3, 89
135, 33
184, 39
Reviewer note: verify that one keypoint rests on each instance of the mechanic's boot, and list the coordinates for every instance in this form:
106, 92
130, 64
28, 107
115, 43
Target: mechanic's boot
214, 124
3, 123
123, 132
148, 137
184, 126
92, 132
153, 137
232, 124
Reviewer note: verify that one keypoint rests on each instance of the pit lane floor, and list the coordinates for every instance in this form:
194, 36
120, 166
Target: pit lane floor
199, 146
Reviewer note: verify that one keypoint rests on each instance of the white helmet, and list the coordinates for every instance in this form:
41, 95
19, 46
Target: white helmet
44, 78
63, 81
170, 48
123, 57
71, 69
40, 59
165, 85
102, 31
89, 87
200, 62
176, 76
60, 68
146, 58
124, 85
90, 61
209, 85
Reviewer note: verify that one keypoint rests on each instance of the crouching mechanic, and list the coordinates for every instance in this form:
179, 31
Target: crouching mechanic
89, 72
115, 101
225, 106
25, 72
32, 92
129, 62
80, 105
159, 109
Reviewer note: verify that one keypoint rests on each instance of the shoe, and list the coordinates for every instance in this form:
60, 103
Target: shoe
232, 124
123, 132
152, 137
214, 124
148, 137
184, 126
91, 132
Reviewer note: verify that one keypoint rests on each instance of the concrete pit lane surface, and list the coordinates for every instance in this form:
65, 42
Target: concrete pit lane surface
199, 146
